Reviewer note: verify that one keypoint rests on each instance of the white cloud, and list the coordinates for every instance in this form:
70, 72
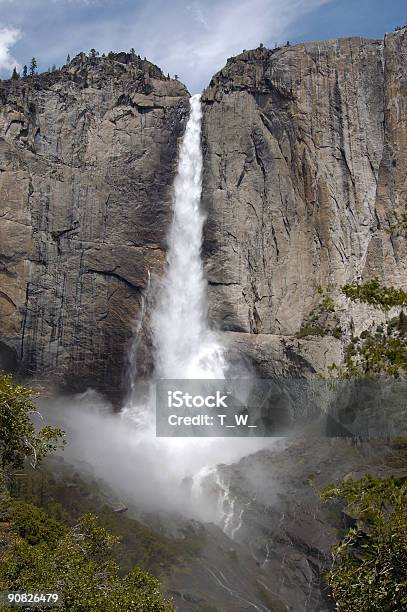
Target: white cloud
8, 37
195, 39
191, 38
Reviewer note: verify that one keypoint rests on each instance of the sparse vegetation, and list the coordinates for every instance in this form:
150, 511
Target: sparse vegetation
375, 294
377, 353
323, 320
382, 350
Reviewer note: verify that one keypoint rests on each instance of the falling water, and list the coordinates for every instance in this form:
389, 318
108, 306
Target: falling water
185, 346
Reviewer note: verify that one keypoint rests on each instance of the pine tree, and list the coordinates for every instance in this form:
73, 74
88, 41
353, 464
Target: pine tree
33, 66
15, 74
132, 51
93, 53
25, 71
68, 59
54, 68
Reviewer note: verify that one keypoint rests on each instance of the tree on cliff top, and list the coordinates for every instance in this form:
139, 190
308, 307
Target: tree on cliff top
33, 66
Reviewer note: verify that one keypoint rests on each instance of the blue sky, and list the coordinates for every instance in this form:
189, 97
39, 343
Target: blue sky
192, 38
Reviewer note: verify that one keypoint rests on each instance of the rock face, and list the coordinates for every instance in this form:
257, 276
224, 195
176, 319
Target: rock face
304, 184
270, 507
304, 187
87, 161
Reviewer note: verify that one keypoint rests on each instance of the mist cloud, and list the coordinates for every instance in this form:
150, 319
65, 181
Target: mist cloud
146, 472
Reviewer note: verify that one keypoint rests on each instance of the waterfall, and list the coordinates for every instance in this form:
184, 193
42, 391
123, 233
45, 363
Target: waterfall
152, 472
185, 346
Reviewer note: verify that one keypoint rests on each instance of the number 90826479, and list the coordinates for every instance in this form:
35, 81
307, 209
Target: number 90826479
26, 599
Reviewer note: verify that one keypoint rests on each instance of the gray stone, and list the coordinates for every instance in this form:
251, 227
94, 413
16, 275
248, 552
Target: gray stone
87, 162
304, 175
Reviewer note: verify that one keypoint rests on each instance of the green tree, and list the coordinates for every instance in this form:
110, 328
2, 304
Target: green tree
33, 66
19, 439
25, 71
375, 294
68, 59
34, 524
15, 75
81, 567
93, 53
368, 570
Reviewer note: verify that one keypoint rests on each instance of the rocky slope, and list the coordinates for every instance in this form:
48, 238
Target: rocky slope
271, 509
305, 187
87, 160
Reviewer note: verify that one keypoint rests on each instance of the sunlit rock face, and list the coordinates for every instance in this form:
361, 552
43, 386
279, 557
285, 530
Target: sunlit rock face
304, 185
87, 161
304, 182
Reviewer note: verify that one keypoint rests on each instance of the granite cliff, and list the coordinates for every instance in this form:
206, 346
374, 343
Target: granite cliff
304, 187
305, 184
87, 159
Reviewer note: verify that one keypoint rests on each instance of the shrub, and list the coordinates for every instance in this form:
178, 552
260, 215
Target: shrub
368, 570
18, 436
34, 525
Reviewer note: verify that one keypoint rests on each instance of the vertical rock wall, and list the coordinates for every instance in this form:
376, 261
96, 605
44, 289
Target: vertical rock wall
87, 160
305, 168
